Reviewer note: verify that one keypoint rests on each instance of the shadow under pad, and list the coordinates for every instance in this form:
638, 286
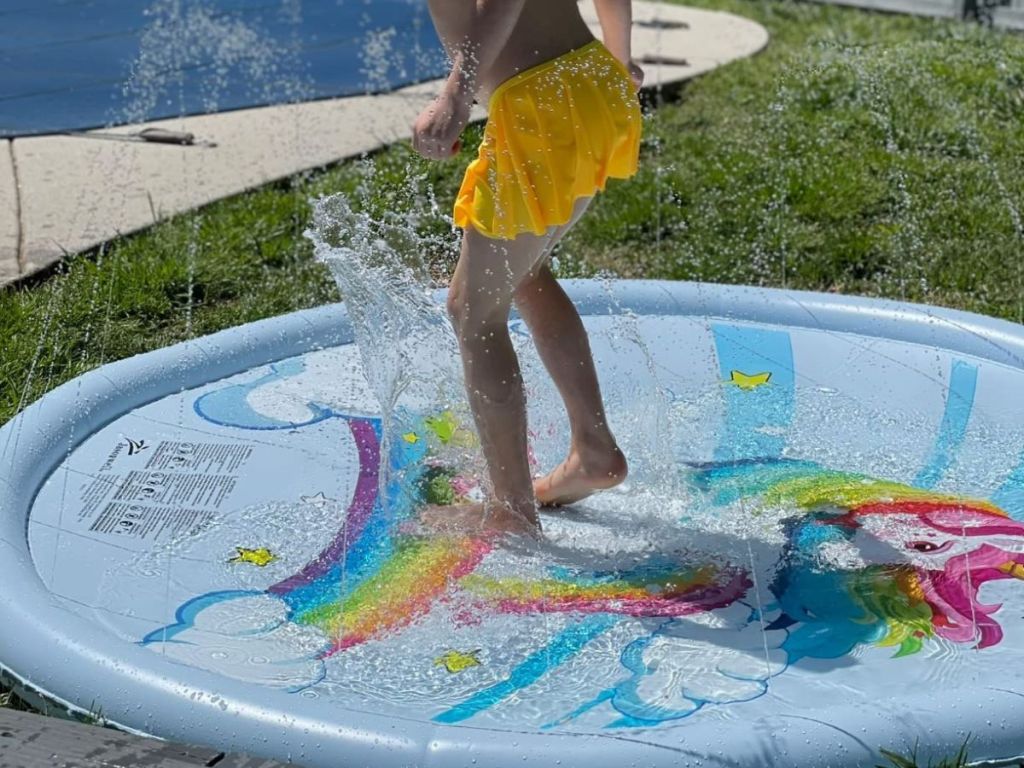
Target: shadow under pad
819, 551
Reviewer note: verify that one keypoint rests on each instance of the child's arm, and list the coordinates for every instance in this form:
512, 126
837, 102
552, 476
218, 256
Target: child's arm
616, 17
488, 25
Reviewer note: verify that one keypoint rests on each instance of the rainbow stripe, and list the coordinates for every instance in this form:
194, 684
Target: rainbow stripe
388, 580
371, 580
418, 573
678, 593
805, 485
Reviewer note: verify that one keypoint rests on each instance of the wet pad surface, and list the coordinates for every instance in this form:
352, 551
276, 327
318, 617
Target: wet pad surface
812, 517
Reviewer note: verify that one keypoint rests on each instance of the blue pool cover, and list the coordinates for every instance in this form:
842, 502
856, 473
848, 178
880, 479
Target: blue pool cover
76, 64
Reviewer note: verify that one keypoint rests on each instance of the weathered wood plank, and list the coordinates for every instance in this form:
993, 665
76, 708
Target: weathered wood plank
34, 741
1011, 16
940, 8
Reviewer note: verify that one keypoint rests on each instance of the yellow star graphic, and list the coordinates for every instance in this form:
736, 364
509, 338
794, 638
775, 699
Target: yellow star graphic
457, 661
259, 557
748, 381
410, 437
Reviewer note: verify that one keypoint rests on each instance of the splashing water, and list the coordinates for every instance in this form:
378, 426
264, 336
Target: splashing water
199, 42
379, 57
406, 343
411, 359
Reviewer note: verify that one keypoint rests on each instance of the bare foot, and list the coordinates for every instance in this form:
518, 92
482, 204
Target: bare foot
581, 474
481, 519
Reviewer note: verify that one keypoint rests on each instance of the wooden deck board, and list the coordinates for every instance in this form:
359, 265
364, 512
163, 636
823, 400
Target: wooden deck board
34, 741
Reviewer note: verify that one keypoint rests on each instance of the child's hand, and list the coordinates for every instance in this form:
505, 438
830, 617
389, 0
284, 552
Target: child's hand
435, 134
636, 74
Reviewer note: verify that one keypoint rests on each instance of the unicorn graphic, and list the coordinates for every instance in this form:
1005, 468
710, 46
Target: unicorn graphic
865, 561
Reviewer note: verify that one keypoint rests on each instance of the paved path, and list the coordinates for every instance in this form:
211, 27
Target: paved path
64, 194
35, 741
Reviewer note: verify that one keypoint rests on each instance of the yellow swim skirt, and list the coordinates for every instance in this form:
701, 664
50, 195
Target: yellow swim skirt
554, 133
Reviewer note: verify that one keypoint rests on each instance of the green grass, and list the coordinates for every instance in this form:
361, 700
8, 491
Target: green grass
859, 153
897, 760
10, 701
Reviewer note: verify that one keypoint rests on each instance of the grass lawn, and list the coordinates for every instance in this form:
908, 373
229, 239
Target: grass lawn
861, 153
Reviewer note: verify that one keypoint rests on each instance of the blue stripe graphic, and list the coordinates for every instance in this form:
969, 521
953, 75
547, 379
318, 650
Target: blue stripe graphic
230, 407
605, 695
1010, 496
562, 647
963, 381
186, 613
756, 419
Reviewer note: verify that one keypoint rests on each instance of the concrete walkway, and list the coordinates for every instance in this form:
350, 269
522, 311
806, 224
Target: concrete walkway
63, 194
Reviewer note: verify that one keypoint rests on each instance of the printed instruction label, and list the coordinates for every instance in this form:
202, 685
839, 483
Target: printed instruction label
154, 523
94, 494
176, 491
176, 488
199, 457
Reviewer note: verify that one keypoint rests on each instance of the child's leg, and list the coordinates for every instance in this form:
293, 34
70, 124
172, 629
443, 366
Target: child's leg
479, 300
594, 461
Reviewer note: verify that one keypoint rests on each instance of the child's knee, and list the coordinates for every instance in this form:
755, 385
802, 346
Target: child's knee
455, 304
496, 387
475, 310
533, 285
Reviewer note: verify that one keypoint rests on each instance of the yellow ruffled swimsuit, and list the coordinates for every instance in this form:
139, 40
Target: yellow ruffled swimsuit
554, 132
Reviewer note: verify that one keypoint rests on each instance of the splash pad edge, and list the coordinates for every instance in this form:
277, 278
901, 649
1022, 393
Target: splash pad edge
46, 647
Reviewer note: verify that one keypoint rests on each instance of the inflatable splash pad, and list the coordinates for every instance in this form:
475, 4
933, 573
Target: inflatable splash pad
819, 552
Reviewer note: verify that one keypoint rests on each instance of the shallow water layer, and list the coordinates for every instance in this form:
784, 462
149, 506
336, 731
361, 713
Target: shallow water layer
822, 529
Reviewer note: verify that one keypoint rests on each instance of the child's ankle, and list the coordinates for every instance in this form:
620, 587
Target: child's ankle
593, 443
523, 508
605, 459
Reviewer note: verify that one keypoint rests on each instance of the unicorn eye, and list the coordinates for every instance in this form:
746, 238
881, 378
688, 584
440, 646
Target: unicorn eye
927, 546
